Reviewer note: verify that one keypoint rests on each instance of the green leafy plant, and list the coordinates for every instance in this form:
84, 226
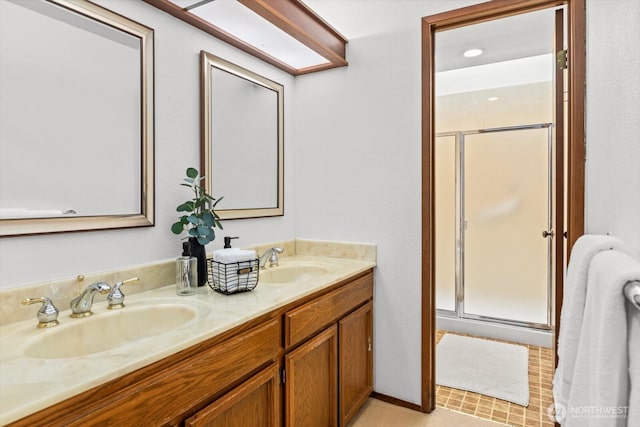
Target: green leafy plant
199, 217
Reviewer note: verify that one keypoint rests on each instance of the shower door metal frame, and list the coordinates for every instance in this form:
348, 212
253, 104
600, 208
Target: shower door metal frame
461, 226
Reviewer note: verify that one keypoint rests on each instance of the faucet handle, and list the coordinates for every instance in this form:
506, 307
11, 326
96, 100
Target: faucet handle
116, 297
273, 259
48, 313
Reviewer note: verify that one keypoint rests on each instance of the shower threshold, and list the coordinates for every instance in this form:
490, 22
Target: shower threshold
485, 328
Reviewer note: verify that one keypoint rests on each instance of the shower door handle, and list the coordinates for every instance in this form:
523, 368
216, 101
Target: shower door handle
546, 233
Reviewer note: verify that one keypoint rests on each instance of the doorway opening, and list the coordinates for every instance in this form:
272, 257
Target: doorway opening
565, 221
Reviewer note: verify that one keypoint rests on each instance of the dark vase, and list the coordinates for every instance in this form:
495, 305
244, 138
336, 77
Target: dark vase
198, 251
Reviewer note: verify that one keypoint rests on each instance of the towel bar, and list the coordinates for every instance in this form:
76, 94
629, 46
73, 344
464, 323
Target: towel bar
632, 292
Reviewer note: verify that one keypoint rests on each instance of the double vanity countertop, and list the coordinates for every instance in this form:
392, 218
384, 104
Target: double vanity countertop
37, 371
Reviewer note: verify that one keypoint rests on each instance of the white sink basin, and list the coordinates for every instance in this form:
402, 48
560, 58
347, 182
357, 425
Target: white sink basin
292, 273
108, 331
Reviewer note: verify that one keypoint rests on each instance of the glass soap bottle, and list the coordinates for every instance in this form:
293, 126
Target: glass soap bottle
186, 272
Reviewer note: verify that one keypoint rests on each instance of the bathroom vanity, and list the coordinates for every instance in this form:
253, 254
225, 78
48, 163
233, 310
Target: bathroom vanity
296, 351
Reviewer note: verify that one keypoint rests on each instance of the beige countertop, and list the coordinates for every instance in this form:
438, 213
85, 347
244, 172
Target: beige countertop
29, 384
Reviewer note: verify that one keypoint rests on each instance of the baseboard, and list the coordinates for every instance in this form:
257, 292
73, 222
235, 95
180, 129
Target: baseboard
397, 402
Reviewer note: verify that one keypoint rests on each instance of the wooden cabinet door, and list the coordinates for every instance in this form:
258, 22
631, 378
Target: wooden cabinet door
355, 334
254, 403
311, 393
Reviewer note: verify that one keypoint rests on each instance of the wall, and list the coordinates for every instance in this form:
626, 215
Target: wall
613, 119
37, 258
358, 154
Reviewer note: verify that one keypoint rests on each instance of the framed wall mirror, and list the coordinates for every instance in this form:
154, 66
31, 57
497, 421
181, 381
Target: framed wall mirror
76, 118
242, 139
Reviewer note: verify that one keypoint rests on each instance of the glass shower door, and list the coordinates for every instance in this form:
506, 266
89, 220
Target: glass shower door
505, 209
446, 219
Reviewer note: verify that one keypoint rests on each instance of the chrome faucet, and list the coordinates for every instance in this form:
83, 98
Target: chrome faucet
81, 305
272, 254
116, 296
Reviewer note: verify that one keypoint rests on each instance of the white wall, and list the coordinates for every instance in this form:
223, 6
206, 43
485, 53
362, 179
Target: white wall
358, 154
46, 257
358, 166
613, 119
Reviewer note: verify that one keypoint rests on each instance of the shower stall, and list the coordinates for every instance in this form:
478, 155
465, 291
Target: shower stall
493, 225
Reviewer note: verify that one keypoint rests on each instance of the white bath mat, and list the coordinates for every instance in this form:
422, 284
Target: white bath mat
488, 367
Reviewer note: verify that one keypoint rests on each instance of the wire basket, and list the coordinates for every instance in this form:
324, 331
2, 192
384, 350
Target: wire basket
233, 277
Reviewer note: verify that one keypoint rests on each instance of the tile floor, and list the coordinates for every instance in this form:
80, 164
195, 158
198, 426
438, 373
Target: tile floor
540, 399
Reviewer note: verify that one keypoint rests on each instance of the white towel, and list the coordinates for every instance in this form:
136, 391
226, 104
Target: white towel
575, 290
230, 255
599, 393
229, 278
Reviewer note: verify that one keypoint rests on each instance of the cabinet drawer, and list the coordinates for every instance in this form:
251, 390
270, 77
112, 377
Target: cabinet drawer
158, 399
309, 318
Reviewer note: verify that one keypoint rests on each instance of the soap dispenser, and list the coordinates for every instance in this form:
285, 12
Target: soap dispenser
227, 242
186, 272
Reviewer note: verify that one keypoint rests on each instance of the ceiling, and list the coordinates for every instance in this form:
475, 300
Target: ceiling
515, 37
510, 38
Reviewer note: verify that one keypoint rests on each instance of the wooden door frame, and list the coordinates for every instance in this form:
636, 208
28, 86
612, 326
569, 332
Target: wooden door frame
575, 150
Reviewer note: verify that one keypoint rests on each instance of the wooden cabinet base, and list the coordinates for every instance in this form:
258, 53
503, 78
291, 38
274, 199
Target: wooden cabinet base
330, 335
234, 379
167, 396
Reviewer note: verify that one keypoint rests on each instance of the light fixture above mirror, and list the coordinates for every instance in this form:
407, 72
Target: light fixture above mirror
284, 33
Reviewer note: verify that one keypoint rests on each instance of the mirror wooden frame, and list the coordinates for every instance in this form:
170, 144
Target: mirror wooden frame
146, 216
207, 61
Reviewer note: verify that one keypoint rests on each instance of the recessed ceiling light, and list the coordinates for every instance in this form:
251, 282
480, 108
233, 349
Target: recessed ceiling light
473, 52
492, 98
